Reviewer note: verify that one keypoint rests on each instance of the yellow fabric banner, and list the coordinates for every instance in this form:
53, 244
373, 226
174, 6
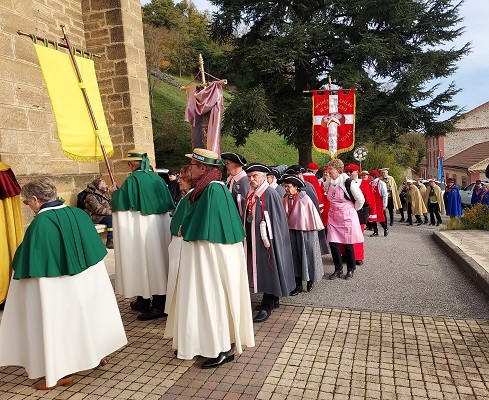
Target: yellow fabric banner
75, 130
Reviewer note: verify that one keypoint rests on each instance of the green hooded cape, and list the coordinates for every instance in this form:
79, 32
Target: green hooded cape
58, 242
145, 192
213, 217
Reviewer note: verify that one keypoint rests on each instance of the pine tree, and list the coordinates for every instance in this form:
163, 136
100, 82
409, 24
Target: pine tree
391, 51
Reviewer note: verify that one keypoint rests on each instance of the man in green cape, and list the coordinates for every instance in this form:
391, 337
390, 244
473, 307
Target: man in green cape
210, 309
141, 218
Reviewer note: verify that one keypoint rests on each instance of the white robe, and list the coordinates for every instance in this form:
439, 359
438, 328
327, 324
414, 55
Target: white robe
141, 253
208, 302
58, 326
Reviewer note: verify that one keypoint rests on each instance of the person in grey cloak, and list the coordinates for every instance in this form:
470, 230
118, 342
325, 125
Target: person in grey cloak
237, 181
267, 243
297, 171
304, 222
272, 179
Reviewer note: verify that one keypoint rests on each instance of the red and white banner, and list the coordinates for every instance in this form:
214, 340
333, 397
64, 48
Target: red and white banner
333, 125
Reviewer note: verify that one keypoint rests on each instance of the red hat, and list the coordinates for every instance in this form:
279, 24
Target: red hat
352, 167
374, 172
450, 180
325, 168
312, 166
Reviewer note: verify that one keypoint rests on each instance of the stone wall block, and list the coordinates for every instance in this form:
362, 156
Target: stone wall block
9, 142
112, 17
30, 96
116, 51
21, 72
7, 92
13, 118
37, 120
6, 45
116, 34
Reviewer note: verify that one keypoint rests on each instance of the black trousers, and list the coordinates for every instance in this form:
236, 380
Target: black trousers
382, 224
268, 302
336, 254
434, 209
390, 208
410, 215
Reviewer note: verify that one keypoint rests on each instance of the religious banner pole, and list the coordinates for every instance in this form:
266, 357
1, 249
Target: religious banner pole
87, 102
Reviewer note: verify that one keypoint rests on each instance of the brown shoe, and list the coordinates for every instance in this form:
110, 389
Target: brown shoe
109, 244
65, 381
104, 361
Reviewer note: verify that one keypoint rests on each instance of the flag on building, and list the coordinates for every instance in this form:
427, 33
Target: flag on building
441, 173
333, 113
79, 140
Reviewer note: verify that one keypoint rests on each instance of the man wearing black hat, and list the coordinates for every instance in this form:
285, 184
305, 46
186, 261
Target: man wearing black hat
313, 193
272, 177
237, 182
268, 249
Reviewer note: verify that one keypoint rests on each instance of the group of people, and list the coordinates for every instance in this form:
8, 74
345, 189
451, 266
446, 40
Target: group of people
193, 261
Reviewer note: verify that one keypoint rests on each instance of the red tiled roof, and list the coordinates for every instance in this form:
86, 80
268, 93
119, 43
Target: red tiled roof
468, 157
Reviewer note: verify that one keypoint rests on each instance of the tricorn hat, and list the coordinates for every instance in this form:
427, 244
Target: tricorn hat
295, 169
205, 156
252, 167
234, 157
374, 172
292, 179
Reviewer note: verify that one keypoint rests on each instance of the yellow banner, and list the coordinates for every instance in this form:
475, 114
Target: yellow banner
75, 130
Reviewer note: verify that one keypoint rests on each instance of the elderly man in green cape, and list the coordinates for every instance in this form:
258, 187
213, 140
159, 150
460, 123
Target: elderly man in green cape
210, 309
140, 213
61, 315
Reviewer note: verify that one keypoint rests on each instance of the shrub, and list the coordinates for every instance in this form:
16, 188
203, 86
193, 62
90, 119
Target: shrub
476, 217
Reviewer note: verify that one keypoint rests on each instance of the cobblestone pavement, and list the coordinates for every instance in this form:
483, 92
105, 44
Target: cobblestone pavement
325, 350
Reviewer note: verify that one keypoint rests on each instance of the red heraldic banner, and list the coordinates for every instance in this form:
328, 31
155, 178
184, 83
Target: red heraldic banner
333, 121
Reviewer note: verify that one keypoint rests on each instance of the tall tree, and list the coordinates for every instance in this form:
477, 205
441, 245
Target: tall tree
391, 51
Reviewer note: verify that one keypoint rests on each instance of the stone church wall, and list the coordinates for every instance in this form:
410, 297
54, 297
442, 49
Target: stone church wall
28, 135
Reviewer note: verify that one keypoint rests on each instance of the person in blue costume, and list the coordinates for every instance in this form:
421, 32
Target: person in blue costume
453, 202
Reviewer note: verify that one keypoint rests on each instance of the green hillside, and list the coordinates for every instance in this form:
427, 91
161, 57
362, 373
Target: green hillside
172, 134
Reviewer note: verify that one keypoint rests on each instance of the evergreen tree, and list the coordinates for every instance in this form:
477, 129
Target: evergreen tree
391, 51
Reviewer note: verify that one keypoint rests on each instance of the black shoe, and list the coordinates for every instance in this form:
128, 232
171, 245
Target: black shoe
438, 223
275, 305
386, 232
359, 262
410, 223
425, 222
261, 316
296, 291
349, 275
402, 220
310, 285
109, 244
419, 224
153, 313
222, 358
374, 234
336, 274
138, 306
391, 224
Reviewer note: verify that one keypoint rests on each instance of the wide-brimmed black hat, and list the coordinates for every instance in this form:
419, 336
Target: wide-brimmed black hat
295, 169
252, 167
273, 172
234, 157
292, 179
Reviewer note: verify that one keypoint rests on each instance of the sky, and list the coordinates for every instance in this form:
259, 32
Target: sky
472, 75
